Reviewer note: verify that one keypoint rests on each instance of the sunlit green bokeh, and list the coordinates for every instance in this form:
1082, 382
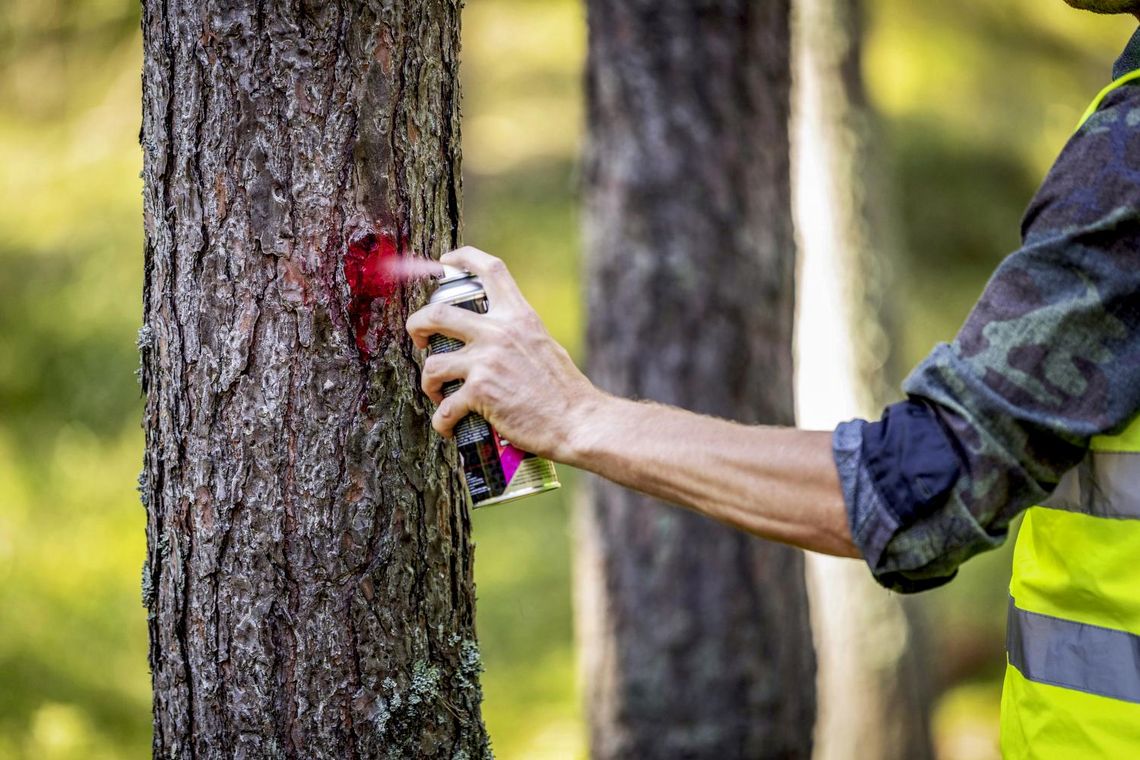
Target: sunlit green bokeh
977, 97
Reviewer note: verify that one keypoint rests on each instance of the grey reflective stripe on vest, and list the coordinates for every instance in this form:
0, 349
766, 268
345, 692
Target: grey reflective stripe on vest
1105, 484
1077, 656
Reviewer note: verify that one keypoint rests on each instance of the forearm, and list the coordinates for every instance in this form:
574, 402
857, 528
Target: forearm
777, 483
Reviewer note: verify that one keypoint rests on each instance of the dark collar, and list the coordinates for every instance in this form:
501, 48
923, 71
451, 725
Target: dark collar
1129, 60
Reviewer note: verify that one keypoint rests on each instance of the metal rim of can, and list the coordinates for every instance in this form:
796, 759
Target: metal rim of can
512, 495
458, 289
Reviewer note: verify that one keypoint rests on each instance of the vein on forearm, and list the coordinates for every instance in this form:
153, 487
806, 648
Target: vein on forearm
777, 483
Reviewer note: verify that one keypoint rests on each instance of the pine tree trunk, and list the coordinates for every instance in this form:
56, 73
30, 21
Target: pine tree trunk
696, 637
308, 576
872, 694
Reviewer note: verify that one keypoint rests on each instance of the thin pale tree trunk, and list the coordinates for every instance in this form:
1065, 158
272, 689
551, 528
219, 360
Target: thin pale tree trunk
308, 577
695, 637
871, 693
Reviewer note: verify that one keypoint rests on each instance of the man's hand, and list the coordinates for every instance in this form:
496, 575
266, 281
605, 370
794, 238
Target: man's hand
515, 375
776, 483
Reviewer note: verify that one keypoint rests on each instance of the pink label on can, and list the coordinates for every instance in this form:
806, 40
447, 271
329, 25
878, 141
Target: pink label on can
509, 457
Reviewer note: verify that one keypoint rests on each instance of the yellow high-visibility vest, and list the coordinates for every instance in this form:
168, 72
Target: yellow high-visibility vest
1072, 682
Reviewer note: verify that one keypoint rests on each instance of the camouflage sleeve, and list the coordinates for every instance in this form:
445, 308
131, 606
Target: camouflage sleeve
1048, 358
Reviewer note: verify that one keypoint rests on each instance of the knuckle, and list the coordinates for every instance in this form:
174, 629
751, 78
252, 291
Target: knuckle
475, 386
435, 313
428, 383
492, 395
495, 266
445, 412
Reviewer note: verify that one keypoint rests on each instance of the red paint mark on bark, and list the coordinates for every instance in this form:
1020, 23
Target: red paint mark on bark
370, 278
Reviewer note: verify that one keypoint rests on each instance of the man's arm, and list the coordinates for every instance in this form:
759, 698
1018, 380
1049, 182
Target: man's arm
776, 483
1049, 358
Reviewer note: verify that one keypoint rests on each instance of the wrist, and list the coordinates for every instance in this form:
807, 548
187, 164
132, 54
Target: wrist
584, 428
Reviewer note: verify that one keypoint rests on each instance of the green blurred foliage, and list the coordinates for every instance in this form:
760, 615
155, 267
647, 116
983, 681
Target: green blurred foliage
522, 122
976, 96
73, 678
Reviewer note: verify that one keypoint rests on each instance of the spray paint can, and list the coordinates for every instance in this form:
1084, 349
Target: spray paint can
495, 470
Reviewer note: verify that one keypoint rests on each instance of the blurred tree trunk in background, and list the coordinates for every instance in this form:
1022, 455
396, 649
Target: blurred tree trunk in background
308, 577
872, 694
696, 637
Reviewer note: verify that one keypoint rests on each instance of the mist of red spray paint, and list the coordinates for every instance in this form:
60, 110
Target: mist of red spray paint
367, 269
375, 265
406, 268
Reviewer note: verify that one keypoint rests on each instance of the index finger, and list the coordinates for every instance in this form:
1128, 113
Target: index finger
444, 319
491, 270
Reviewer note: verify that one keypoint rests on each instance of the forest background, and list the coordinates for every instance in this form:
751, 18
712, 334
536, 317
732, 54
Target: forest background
976, 98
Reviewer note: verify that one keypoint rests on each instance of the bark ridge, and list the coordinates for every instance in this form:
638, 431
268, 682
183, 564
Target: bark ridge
309, 571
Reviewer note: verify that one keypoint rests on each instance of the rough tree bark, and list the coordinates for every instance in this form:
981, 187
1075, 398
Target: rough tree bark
871, 692
308, 575
696, 637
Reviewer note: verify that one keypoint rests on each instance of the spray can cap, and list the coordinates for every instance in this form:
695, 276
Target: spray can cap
451, 274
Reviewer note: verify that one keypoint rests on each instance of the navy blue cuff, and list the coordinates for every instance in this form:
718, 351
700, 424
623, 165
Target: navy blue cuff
911, 461
872, 524
899, 559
